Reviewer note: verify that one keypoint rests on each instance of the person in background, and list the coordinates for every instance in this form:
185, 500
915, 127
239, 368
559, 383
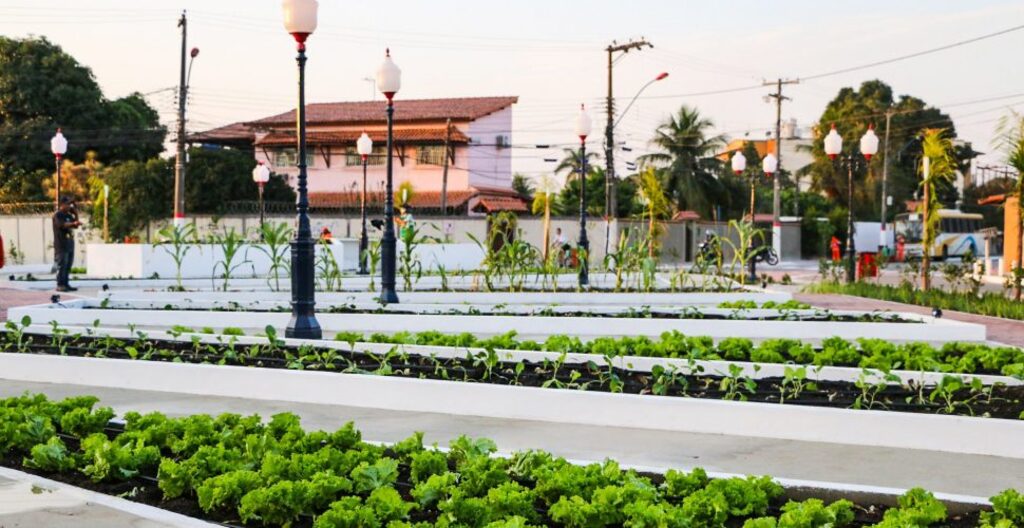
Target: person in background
64, 223
834, 245
325, 235
561, 245
405, 222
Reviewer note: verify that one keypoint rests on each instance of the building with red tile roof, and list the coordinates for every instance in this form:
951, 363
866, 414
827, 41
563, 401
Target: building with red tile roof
477, 131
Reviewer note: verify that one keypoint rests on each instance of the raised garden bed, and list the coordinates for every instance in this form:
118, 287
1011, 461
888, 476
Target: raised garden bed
484, 385
78, 312
789, 311
758, 298
243, 472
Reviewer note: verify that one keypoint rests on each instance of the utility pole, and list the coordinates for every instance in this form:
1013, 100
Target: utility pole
609, 139
179, 164
882, 241
776, 199
444, 172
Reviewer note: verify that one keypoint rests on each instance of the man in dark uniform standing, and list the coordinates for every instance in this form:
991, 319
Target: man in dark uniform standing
64, 222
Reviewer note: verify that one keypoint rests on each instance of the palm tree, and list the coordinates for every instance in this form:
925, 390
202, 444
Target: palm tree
938, 151
687, 154
571, 163
1011, 138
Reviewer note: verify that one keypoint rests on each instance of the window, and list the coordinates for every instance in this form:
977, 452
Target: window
289, 157
430, 155
376, 157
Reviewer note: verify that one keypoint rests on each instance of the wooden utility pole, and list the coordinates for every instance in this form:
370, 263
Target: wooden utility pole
444, 171
609, 140
179, 162
776, 199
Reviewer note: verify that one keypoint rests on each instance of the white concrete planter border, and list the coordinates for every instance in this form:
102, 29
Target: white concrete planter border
474, 298
931, 330
463, 283
497, 309
142, 261
980, 436
751, 370
146, 260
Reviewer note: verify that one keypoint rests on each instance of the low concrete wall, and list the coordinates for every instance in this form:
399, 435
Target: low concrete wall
983, 436
933, 330
33, 234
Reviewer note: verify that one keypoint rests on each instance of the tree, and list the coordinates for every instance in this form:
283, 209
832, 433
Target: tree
656, 205
523, 186
937, 149
42, 88
140, 192
1011, 139
852, 111
687, 154
218, 176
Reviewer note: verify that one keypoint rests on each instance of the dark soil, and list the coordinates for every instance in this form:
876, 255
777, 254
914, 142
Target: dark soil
740, 315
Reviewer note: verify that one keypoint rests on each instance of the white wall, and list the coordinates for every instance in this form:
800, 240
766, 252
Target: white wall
490, 166
33, 235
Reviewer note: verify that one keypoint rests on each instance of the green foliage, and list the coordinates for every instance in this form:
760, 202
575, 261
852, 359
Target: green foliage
917, 507
813, 513
217, 177
686, 157
847, 110
276, 473
986, 303
52, 456
1008, 511
227, 489
43, 88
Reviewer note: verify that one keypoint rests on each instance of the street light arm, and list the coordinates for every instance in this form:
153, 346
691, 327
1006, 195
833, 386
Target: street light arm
637, 96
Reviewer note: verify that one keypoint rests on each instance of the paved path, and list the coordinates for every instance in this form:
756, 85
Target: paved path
973, 475
10, 298
28, 501
1006, 331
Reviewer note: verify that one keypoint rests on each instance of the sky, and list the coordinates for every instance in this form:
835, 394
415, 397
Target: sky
551, 55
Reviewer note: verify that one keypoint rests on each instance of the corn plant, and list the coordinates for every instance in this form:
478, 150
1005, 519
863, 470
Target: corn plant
231, 243
177, 241
328, 271
373, 261
409, 264
276, 238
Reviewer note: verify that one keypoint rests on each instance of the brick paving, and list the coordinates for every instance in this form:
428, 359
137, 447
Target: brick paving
1006, 331
10, 298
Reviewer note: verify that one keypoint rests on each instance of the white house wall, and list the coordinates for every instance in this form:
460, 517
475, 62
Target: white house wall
490, 166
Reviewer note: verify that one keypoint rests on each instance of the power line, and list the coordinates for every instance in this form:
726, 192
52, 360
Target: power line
917, 54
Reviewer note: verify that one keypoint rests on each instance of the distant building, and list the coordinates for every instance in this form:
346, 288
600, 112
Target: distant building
479, 176
796, 150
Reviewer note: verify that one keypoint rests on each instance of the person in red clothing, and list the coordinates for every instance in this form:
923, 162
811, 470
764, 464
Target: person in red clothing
834, 244
901, 244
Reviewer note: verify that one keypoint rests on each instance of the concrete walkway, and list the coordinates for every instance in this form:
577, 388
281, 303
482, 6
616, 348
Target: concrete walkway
28, 501
972, 475
1008, 331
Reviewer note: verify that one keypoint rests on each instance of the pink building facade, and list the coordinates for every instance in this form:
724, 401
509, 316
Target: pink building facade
477, 132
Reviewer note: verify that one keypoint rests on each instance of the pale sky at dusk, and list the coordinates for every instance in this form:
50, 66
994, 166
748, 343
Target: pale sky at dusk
551, 55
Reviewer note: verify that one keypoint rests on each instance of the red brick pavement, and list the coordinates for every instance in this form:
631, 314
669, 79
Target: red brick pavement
10, 298
1006, 331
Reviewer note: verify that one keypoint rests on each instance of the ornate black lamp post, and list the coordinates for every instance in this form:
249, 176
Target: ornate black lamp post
261, 175
834, 149
389, 81
365, 147
583, 126
300, 21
